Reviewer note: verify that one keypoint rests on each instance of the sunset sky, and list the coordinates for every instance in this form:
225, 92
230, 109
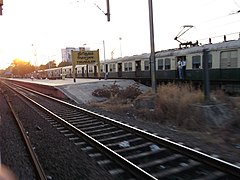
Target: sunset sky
44, 27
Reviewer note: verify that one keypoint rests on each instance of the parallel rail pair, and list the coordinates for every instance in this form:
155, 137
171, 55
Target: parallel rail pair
126, 151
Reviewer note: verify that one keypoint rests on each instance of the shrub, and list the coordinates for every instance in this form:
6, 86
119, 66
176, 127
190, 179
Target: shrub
174, 102
131, 92
173, 105
107, 92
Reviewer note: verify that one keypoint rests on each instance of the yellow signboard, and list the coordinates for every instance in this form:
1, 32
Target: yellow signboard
85, 57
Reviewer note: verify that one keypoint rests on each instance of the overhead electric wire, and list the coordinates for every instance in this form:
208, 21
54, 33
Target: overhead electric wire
99, 8
236, 3
201, 25
219, 36
219, 17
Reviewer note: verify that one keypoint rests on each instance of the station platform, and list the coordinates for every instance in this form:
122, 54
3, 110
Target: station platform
81, 90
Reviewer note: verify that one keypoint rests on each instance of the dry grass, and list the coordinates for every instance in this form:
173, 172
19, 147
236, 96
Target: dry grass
219, 96
171, 105
174, 101
234, 105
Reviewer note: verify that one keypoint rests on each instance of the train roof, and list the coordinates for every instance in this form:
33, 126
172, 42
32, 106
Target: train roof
231, 44
56, 68
129, 58
198, 49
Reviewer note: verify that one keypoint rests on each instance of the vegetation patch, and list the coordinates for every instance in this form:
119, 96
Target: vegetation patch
116, 92
173, 105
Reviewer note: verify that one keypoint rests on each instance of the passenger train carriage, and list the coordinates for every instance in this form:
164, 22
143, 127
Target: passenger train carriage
223, 64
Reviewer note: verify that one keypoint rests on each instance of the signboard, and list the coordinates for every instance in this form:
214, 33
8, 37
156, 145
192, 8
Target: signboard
85, 57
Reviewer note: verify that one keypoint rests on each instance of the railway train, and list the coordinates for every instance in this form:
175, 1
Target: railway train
223, 66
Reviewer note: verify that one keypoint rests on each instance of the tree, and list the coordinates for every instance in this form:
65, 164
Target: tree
51, 64
20, 67
42, 67
64, 63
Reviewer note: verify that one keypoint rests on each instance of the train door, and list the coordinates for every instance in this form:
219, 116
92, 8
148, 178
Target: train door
83, 71
95, 71
106, 68
70, 73
76, 73
138, 68
119, 69
87, 69
180, 67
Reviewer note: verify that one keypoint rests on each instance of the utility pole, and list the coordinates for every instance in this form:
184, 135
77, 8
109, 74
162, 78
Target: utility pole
108, 11
206, 82
1, 4
152, 56
120, 39
34, 54
104, 53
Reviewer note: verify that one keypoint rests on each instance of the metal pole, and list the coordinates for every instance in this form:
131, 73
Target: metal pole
120, 39
108, 10
152, 56
206, 82
104, 55
1, 4
73, 66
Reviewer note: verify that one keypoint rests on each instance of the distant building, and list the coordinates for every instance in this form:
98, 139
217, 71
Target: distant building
66, 53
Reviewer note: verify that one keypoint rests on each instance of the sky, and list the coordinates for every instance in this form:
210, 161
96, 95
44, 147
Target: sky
37, 30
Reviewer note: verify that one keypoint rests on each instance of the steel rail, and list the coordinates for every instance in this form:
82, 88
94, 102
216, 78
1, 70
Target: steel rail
123, 162
40, 172
194, 154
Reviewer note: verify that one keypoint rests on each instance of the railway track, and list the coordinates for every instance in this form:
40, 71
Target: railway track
36, 166
125, 151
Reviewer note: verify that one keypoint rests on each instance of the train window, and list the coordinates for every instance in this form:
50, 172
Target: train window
90, 69
196, 62
125, 66
146, 65
167, 63
130, 66
112, 67
228, 59
160, 64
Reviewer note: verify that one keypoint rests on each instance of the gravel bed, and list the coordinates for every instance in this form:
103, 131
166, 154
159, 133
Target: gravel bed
63, 160
13, 151
210, 143
60, 158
